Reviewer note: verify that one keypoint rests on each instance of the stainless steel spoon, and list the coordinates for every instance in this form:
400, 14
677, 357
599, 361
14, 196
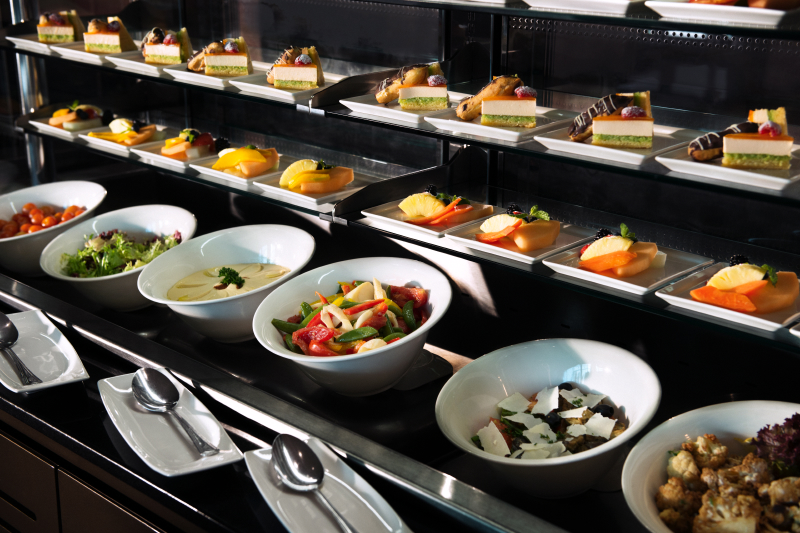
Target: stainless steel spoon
8, 336
155, 392
299, 468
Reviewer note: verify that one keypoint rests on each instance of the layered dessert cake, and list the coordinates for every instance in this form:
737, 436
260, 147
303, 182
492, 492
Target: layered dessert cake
769, 147
471, 108
583, 126
709, 146
515, 111
428, 96
166, 48
108, 37
631, 128
61, 27
229, 57
297, 69
389, 89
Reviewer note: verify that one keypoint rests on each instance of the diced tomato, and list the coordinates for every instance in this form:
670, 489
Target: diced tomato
204, 139
303, 345
312, 333
362, 307
296, 319
316, 321
421, 315
375, 321
318, 349
503, 428
418, 295
402, 325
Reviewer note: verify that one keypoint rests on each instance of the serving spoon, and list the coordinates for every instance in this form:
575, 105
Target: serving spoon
155, 392
299, 468
9, 336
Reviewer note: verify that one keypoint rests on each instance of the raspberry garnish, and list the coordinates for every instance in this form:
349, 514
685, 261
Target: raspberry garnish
56, 19
437, 80
525, 92
303, 59
770, 128
231, 47
633, 111
113, 26
170, 39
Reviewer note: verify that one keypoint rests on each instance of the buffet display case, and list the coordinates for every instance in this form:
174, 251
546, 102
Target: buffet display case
703, 73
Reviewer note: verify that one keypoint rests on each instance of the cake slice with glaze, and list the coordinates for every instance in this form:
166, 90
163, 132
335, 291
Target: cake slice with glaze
61, 27
108, 37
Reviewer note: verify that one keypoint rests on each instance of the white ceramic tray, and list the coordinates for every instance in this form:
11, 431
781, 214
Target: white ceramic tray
795, 330
546, 118
300, 512
664, 139
678, 295
367, 104
611, 7
152, 152
680, 161
182, 73
156, 438
391, 214
43, 125
204, 167
740, 15
134, 62
271, 184
30, 42
117, 147
45, 351
77, 52
678, 264
257, 84
568, 237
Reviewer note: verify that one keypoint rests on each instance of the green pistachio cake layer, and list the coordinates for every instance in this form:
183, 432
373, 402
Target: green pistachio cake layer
514, 121
226, 71
163, 60
623, 141
49, 38
103, 48
295, 84
424, 103
778, 162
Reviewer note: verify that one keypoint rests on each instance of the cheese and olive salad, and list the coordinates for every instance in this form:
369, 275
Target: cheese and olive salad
556, 422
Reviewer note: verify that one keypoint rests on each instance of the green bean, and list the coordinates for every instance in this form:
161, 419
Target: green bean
396, 310
393, 336
292, 346
385, 330
308, 319
286, 327
408, 315
305, 309
357, 334
347, 304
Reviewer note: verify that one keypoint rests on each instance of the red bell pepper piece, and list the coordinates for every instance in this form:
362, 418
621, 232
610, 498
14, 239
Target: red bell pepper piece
380, 309
394, 340
319, 349
322, 298
316, 321
362, 307
497, 235
375, 321
400, 295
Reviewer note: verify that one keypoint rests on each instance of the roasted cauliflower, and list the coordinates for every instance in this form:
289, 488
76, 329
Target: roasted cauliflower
707, 451
727, 514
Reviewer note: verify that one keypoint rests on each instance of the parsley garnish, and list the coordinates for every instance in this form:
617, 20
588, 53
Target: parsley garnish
771, 274
577, 402
321, 165
625, 233
231, 277
560, 436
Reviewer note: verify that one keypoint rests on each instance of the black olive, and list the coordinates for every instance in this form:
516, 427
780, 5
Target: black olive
566, 386
738, 259
553, 418
81, 114
603, 409
432, 189
221, 144
602, 233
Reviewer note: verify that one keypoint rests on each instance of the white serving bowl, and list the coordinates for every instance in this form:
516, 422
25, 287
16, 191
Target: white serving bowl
21, 254
470, 398
646, 467
118, 291
228, 319
369, 372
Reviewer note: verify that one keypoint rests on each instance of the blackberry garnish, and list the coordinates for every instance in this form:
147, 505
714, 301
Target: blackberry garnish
137, 125
602, 233
738, 259
107, 117
432, 190
512, 208
221, 144
81, 114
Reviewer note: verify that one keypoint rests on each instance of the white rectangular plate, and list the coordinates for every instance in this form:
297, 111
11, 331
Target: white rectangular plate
116, 147
271, 184
746, 16
77, 52
156, 438
204, 167
545, 118
678, 264
664, 139
795, 330
43, 125
257, 84
152, 152
30, 42
301, 512
678, 295
568, 237
182, 73
681, 161
391, 214
134, 62
368, 105
613, 7
44, 350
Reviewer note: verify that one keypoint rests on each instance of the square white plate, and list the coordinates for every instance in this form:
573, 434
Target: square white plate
665, 138
680, 161
368, 105
612, 7
204, 167
271, 184
545, 119
182, 73
390, 213
134, 62
257, 84
44, 350
678, 264
746, 16
568, 237
43, 125
678, 295
795, 330
30, 42
156, 438
152, 152
77, 52
117, 147
300, 512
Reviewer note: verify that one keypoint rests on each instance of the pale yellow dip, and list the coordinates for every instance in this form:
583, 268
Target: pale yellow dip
207, 284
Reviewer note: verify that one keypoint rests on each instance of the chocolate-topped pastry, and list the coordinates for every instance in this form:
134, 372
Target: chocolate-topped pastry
470, 109
709, 146
197, 63
581, 127
154, 36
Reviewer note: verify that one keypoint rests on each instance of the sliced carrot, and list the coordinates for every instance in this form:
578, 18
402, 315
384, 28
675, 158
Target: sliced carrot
452, 213
427, 220
749, 288
607, 261
729, 300
497, 235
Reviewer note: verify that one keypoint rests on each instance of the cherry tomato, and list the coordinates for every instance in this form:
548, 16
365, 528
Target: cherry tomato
48, 222
10, 227
67, 216
36, 218
71, 209
376, 322
80, 212
27, 208
24, 228
35, 228
204, 139
20, 218
3, 222
47, 210
419, 296
58, 216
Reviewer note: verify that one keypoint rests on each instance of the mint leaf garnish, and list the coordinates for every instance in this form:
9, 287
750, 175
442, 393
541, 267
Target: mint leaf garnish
74, 106
771, 274
538, 213
321, 165
625, 233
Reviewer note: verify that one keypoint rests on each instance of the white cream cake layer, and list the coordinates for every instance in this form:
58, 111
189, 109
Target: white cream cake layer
226, 60
634, 128
295, 73
422, 91
56, 30
515, 108
111, 39
734, 145
163, 50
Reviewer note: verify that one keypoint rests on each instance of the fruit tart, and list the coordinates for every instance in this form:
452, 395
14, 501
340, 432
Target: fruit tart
308, 176
166, 48
433, 208
79, 117
297, 69
620, 255
109, 37
191, 144
228, 57
529, 231
61, 27
411, 76
749, 288
128, 132
247, 162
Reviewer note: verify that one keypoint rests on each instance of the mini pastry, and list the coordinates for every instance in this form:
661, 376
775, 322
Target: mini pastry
308, 176
620, 255
631, 128
529, 232
299, 71
769, 148
471, 108
749, 288
108, 38
389, 89
77, 117
61, 27
709, 146
432, 208
517, 111
428, 96
581, 128
168, 48
247, 162
128, 132
191, 144
228, 57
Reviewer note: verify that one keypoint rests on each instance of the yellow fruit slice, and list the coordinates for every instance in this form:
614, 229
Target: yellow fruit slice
309, 176
234, 158
169, 143
606, 245
61, 112
731, 277
422, 204
113, 137
295, 168
498, 223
